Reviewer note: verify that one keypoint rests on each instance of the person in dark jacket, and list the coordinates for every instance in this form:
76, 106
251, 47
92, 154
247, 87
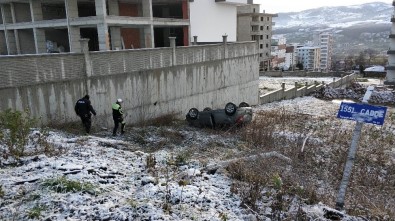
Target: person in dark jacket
84, 110
117, 116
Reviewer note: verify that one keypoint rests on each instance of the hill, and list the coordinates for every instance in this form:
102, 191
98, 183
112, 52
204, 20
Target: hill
355, 28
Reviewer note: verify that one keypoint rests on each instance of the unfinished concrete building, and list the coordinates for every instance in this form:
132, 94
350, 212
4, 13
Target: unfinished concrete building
390, 77
50, 26
256, 26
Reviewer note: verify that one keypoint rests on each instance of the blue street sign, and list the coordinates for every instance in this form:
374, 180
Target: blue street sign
362, 113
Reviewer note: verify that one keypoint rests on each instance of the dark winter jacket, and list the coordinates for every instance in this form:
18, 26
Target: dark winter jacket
117, 112
83, 108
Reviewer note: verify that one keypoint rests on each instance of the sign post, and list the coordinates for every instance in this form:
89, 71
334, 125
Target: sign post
362, 113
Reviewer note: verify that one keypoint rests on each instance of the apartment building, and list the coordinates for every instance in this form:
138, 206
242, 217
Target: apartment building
211, 19
42, 26
390, 78
309, 57
256, 26
278, 51
290, 58
324, 40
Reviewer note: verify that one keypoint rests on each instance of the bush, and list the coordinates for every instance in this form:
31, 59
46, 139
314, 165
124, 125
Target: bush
14, 131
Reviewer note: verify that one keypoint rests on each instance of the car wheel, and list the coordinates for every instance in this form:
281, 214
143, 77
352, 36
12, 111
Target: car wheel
230, 108
193, 113
244, 104
207, 109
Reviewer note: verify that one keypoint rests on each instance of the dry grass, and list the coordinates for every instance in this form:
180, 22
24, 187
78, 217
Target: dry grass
315, 172
164, 120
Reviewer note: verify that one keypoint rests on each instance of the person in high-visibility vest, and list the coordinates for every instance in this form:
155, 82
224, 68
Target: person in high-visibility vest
117, 116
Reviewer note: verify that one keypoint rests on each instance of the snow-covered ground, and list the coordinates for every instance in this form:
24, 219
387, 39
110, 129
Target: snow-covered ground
121, 183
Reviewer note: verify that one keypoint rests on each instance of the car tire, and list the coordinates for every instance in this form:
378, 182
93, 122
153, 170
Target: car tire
193, 113
244, 104
230, 108
207, 109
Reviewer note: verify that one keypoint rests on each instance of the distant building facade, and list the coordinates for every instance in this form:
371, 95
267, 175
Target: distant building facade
309, 57
290, 57
38, 26
211, 19
324, 40
256, 26
278, 51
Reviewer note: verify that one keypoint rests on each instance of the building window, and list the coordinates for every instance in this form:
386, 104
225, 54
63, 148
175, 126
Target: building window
261, 28
267, 27
254, 10
261, 37
268, 18
261, 45
260, 55
267, 45
261, 18
267, 36
267, 53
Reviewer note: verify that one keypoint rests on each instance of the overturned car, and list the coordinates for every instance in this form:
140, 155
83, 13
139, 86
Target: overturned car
230, 115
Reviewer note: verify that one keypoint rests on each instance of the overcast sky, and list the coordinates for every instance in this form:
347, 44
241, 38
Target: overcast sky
276, 6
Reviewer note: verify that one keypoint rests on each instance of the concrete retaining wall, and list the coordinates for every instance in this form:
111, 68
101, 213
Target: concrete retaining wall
303, 74
147, 92
294, 92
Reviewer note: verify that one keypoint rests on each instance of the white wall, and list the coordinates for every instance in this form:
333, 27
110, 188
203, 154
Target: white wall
236, 1
210, 20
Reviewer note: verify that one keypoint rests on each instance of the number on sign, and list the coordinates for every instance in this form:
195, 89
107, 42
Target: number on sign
346, 108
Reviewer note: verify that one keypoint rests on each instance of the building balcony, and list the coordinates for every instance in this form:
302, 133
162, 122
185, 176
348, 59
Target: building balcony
257, 32
255, 23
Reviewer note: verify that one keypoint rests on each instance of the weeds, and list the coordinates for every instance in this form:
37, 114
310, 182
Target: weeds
150, 162
283, 131
132, 203
182, 158
35, 212
14, 131
1, 192
173, 137
63, 185
223, 216
164, 120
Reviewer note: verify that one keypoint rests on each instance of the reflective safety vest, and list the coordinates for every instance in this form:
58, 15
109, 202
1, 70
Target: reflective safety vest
117, 111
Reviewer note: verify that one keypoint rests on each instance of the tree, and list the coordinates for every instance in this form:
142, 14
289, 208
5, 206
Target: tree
348, 62
371, 54
360, 59
300, 66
